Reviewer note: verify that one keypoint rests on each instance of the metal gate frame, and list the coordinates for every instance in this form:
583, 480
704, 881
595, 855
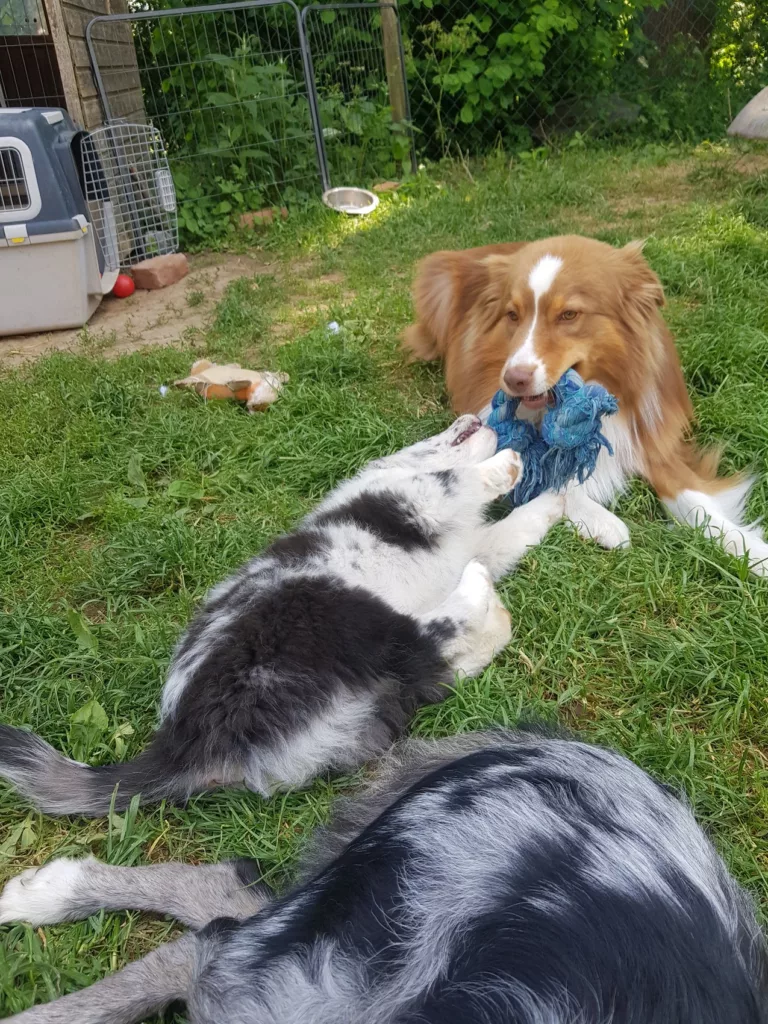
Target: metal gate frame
306, 59
383, 5
239, 5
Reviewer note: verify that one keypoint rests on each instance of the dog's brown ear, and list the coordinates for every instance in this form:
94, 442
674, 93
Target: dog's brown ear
434, 303
488, 290
641, 291
640, 277
635, 247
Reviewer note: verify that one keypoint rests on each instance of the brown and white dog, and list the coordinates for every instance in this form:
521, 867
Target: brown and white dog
517, 316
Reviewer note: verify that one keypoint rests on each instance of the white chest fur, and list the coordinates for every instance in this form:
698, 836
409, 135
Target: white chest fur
613, 471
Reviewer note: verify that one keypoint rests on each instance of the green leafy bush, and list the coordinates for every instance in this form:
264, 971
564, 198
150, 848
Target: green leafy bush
237, 122
517, 71
233, 107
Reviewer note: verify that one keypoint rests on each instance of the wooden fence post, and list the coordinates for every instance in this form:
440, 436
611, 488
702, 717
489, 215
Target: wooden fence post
393, 62
58, 30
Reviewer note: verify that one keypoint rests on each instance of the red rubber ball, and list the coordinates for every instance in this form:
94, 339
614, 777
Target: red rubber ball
124, 286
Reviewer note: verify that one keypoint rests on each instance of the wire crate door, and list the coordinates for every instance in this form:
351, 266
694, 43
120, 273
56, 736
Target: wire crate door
360, 91
130, 194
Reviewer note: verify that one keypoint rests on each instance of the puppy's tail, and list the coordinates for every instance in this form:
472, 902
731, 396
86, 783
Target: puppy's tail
58, 785
695, 495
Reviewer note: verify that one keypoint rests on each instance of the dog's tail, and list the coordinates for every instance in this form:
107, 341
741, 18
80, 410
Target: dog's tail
694, 494
58, 785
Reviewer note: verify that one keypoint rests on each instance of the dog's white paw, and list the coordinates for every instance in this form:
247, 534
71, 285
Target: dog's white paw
497, 631
750, 541
42, 895
604, 529
595, 522
549, 507
501, 472
488, 627
475, 577
476, 587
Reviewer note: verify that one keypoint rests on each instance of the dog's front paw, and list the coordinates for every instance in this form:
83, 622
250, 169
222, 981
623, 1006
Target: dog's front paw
487, 625
501, 472
549, 507
598, 524
41, 895
476, 586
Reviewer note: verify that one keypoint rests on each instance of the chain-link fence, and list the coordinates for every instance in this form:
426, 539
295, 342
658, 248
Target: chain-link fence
258, 105
521, 72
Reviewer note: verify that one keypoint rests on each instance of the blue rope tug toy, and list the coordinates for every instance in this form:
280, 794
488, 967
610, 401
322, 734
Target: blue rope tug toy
568, 442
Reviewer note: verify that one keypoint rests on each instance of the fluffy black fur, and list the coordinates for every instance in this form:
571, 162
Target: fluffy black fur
388, 516
531, 881
339, 637
321, 639
500, 878
313, 656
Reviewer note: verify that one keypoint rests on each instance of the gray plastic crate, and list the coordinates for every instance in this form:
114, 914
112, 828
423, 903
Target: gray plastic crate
53, 272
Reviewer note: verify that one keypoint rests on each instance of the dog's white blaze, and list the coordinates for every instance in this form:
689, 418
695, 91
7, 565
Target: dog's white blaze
540, 280
543, 274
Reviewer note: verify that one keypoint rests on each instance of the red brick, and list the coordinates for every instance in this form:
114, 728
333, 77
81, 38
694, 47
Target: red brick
261, 218
160, 271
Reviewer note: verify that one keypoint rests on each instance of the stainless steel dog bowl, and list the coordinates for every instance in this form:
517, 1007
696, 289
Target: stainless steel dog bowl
351, 200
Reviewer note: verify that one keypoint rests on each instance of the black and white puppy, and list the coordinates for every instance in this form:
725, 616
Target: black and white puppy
510, 878
314, 655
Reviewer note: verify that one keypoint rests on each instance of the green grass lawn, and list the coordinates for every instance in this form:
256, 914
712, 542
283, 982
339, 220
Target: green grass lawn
661, 650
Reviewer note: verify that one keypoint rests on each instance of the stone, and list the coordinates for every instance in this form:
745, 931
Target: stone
752, 121
386, 186
261, 218
160, 271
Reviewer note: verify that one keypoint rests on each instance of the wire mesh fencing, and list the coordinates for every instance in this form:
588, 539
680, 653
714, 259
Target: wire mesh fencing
226, 86
357, 68
522, 72
259, 105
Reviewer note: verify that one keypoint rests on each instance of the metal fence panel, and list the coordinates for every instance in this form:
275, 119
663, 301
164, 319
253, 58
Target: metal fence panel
357, 67
227, 87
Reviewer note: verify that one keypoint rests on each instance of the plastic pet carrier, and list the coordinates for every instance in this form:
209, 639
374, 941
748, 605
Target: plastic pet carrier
74, 207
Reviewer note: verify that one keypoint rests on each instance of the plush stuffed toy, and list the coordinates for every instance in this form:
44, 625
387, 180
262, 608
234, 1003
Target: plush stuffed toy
568, 442
258, 389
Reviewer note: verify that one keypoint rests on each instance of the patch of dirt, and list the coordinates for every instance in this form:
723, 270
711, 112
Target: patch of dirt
95, 611
752, 163
657, 187
146, 318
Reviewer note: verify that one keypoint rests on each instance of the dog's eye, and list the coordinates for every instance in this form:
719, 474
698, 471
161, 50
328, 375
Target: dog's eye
568, 314
512, 315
